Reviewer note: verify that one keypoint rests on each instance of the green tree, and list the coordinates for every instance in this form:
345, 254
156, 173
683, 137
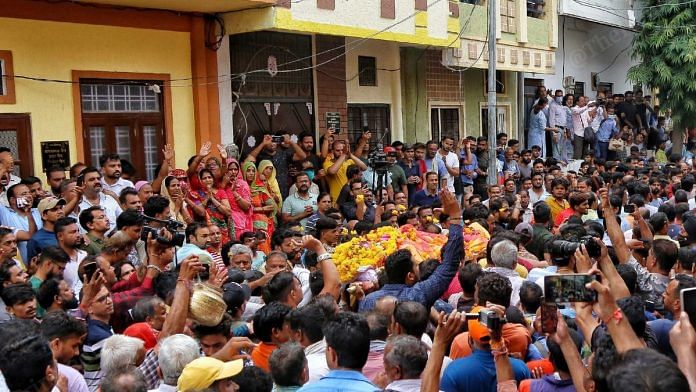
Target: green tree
665, 46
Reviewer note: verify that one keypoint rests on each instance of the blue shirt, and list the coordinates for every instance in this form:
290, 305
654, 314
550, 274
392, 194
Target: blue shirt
607, 129
474, 165
423, 199
426, 291
10, 218
476, 372
341, 380
440, 166
39, 241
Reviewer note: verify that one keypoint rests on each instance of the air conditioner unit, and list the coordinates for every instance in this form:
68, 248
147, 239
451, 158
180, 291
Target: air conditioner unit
568, 81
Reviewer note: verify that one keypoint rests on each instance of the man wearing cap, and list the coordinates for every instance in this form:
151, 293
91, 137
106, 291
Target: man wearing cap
50, 209
476, 372
398, 177
210, 374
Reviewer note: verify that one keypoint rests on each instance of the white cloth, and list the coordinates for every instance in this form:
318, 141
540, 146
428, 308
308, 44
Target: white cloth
408, 385
118, 186
164, 388
451, 161
76, 382
316, 360
302, 274
70, 274
534, 197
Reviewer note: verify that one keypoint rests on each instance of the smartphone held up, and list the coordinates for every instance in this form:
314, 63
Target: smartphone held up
569, 288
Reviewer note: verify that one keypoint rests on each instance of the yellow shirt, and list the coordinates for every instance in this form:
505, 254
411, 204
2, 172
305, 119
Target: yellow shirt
556, 207
336, 181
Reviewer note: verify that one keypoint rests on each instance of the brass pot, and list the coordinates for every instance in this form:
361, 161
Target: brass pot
206, 305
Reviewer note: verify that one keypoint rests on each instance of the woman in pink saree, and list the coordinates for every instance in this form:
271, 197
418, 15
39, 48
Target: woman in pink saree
239, 194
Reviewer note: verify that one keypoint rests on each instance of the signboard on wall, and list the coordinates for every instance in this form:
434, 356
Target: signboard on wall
333, 120
56, 153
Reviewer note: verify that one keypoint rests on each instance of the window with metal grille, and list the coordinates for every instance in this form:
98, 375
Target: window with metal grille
373, 117
123, 117
444, 121
508, 10
367, 67
535, 8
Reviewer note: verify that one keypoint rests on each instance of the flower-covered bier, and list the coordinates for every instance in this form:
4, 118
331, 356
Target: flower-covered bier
371, 250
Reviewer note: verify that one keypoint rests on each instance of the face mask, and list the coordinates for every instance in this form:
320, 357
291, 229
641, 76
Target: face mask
559, 100
310, 173
612, 116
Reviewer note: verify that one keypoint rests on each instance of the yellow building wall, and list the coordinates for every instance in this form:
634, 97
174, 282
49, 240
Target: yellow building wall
54, 49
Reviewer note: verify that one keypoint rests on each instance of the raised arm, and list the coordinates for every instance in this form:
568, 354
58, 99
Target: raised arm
363, 142
176, 318
267, 140
332, 283
570, 353
167, 163
614, 229
447, 328
299, 155
202, 153
429, 290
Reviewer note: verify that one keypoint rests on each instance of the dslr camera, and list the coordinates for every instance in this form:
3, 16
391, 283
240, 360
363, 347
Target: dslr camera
563, 248
170, 225
491, 319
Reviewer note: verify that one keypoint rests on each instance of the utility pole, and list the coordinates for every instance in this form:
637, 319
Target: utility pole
492, 99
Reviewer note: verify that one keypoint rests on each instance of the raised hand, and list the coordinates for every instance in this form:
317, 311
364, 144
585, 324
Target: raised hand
190, 267
205, 149
450, 204
168, 152
218, 276
448, 327
223, 151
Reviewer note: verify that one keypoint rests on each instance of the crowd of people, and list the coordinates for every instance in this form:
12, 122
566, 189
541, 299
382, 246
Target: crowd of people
219, 276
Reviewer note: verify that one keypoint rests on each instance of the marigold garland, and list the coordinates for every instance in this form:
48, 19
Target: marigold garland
371, 249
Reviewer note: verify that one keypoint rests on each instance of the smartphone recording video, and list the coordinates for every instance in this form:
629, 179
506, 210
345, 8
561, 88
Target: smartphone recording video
688, 303
549, 317
569, 288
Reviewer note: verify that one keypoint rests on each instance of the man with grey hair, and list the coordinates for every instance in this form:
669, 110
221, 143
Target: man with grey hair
240, 257
405, 358
124, 380
289, 368
504, 259
121, 352
175, 352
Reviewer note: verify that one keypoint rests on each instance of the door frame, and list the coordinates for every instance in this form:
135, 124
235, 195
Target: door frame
24, 140
77, 102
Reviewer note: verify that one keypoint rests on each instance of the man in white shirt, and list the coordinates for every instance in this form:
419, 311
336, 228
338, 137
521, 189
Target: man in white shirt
451, 161
93, 195
111, 170
537, 193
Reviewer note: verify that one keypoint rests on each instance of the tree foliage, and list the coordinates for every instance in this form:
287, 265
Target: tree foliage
665, 48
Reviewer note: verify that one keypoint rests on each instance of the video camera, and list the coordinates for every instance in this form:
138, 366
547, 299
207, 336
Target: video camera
563, 248
170, 225
377, 160
491, 319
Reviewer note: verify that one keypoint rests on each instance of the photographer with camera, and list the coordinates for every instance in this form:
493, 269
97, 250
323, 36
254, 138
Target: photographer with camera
489, 339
